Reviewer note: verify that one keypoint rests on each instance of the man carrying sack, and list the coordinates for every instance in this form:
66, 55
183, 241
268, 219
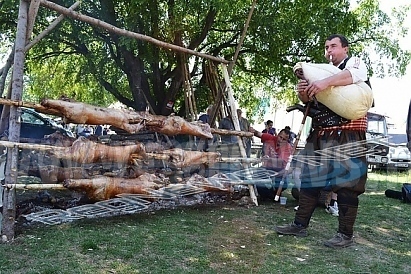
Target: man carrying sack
347, 172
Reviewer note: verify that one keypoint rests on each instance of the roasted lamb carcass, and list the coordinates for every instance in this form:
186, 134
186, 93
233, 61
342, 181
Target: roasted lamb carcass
84, 151
128, 120
104, 188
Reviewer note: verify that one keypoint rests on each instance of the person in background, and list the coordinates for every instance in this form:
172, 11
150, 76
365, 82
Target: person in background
85, 130
269, 128
205, 118
227, 124
99, 130
292, 135
79, 131
277, 149
353, 169
245, 126
276, 155
204, 144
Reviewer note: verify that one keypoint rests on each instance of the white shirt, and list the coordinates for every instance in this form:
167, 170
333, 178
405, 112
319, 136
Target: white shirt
357, 69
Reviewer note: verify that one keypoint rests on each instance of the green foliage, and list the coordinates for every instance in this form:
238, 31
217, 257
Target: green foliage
378, 32
48, 80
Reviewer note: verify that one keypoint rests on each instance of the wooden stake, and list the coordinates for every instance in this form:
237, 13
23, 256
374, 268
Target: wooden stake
237, 126
9, 204
49, 28
10, 144
38, 186
231, 132
31, 18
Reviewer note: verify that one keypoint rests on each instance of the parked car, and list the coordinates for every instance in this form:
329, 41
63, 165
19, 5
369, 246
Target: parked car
35, 125
377, 140
399, 157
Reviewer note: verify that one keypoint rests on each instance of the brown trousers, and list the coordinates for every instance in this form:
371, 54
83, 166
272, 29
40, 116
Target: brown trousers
336, 157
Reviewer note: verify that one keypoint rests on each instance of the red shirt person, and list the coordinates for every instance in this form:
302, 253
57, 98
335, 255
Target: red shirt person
277, 149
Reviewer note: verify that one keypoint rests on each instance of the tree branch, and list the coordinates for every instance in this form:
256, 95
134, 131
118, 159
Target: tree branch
98, 23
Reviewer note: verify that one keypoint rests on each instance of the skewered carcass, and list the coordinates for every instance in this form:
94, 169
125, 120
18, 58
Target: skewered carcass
130, 121
104, 188
84, 151
180, 158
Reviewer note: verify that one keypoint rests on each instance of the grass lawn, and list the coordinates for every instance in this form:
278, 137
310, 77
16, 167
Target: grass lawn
221, 239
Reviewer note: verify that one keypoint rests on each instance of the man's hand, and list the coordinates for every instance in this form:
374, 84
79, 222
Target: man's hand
299, 73
302, 91
256, 133
315, 87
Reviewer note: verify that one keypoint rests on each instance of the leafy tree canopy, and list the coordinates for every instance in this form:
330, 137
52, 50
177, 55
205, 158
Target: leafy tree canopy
93, 65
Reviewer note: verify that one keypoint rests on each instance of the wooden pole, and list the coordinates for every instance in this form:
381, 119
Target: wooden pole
290, 158
50, 27
231, 132
220, 93
101, 24
240, 43
9, 203
31, 17
9, 144
5, 71
237, 126
39, 186
240, 160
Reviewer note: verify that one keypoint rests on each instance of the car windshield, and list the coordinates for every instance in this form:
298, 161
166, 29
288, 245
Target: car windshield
377, 124
397, 139
30, 118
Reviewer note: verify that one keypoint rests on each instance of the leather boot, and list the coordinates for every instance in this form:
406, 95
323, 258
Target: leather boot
348, 208
307, 204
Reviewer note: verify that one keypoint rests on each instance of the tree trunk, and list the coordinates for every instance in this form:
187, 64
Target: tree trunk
5, 71
138, 84
5, 113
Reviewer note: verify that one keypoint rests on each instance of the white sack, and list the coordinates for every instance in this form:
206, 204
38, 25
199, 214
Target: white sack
351, 102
